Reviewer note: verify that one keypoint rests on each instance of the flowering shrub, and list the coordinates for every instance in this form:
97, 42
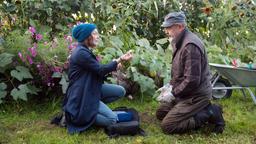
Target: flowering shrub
227, 28
44, 63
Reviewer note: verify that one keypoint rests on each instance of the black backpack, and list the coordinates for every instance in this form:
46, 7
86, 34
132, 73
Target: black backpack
122, 128
126, 128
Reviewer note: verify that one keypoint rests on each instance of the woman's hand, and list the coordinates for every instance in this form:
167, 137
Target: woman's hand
119, 66
127, 56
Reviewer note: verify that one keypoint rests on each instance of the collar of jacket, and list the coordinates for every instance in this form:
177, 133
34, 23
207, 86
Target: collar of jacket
87, 48
177, 42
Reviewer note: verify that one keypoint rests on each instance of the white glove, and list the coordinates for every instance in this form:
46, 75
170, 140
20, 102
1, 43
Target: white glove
165, 94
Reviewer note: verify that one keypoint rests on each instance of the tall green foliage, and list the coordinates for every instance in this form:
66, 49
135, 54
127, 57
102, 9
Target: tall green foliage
227, 27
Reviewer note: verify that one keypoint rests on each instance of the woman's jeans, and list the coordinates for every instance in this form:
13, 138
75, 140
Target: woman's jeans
109, 93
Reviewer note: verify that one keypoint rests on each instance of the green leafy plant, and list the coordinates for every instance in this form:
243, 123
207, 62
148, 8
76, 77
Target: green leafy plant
35, 65
227, 28
13, 81
18, 14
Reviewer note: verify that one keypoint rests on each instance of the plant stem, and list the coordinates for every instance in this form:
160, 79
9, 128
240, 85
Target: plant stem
8, 79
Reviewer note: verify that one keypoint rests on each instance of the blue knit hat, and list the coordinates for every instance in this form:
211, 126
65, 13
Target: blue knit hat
82, 31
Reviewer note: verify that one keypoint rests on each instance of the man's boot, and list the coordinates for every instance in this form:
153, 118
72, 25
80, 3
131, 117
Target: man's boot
216, 118
202, 117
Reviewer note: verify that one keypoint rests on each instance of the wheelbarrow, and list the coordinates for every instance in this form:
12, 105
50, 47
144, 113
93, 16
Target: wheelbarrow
228, 78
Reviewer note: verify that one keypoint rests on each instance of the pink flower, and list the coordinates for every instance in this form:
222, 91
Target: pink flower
69, 39
38, 66
78, 23
32, 30
45, 43
57, 69
33, 51
72, 46
39, 37
29, 59
35, 45
234, 63
70, 25
21, 57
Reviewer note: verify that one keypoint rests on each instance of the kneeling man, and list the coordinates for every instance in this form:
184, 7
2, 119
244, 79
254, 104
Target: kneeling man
192, 88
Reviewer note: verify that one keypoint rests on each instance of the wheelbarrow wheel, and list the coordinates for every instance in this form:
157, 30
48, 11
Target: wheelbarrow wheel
224, 93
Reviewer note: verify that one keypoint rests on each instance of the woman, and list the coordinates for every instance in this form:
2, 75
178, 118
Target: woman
86, 94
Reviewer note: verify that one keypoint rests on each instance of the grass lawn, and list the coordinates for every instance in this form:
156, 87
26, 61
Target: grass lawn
29, 123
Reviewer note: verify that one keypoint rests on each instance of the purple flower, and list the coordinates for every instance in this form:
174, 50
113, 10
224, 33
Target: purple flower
72, 46
39, 37
29, 59
21, 57
33, 51
68, 38
32, 30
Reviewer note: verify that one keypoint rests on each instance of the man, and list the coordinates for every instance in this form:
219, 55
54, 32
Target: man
192, 88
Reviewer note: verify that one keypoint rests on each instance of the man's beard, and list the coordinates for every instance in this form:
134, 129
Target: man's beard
170, 39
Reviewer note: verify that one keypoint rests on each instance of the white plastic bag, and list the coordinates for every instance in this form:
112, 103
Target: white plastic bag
165, 94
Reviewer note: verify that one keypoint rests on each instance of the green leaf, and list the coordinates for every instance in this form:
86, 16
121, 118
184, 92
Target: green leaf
146, 83
144, 43
3, 93
56, 75
21, 73
49, 11
22, 91
33, 90
10, 8
162, 41
133, 69
64, 82
159, 47
116, 42
3, 86
109, 50
32, 22
135, 59
59, 26
5, 59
